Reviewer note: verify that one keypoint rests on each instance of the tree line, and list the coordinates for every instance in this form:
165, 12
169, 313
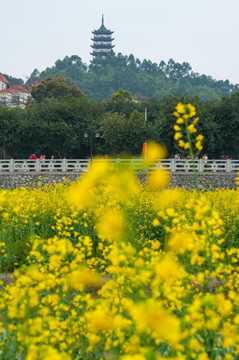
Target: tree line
62, 121
143, 79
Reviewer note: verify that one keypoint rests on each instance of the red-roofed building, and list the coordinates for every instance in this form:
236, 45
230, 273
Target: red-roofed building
3, 82
13, 95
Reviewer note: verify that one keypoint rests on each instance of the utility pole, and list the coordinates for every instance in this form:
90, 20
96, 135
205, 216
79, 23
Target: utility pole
145, 142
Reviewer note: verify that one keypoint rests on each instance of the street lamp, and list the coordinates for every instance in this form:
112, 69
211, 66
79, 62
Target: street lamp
91, 141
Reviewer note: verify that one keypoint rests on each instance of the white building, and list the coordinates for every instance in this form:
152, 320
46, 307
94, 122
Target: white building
13, 95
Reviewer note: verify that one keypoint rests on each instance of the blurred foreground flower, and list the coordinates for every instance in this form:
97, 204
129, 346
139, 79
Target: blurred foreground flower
151, 316
155, 152
111, 225
118, 180
83, 277
158, 179
180, 242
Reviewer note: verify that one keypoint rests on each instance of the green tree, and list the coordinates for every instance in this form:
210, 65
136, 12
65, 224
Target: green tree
226, 119
55, 87
137, 132
57, 126
122, 135
14, 81
10, 133
112, 129
121, 95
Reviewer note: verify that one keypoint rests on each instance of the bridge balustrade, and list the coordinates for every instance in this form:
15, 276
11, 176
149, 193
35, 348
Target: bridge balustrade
81, 165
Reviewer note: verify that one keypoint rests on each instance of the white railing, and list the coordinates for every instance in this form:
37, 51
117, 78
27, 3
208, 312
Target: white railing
79, 165
44, 165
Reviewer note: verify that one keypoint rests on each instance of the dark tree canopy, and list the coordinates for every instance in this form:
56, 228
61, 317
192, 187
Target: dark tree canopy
143, 79
13, 80
55, 87
57, 125
121, 95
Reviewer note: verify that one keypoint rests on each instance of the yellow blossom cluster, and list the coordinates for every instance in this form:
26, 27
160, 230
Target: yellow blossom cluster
184, 128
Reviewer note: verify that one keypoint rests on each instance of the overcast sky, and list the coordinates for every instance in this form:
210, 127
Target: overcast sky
36, 33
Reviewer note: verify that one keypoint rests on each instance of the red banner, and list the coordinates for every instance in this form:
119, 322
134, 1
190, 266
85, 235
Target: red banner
144, 148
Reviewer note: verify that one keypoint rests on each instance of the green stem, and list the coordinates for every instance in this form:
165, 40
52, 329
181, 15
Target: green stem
192, 156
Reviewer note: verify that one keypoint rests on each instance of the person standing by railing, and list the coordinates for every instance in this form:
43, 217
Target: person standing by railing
33, 157
205, 158
51, 163
42, 160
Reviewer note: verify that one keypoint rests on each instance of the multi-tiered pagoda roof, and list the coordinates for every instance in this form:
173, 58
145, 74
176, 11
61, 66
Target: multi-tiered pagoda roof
102, 41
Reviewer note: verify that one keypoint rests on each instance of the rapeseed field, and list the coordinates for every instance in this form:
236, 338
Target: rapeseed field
106, 268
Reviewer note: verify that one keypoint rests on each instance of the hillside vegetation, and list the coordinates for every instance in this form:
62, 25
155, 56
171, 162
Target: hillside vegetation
144, 79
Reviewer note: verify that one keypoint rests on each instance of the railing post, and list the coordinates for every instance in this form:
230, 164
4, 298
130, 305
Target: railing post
38, 165
11, 168
63, 164
200, 168
158, 165
173, 165
228, 163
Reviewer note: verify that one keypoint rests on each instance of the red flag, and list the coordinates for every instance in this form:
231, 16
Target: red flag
144, 148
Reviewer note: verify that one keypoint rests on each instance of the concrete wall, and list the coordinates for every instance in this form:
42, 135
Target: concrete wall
18, 179
186, 180
206, 180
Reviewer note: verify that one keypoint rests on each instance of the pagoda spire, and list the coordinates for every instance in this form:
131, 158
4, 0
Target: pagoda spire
102, 19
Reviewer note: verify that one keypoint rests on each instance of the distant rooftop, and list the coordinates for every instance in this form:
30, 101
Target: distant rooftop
3, 79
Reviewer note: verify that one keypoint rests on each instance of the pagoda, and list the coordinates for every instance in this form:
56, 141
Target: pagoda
102, 41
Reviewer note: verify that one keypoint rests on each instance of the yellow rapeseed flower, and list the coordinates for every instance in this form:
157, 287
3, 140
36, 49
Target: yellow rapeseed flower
155, 222
155, 152
169, 269
133, 357
177, 136
199, 137
177, 128
82, 277
99, 320
198, 145
180, 108
180, 242
158, 179
152, 316
111, 225
181, 143
180, 120
191, 128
